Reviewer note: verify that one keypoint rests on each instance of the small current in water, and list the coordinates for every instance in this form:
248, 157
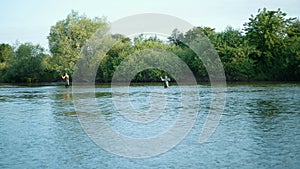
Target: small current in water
259, 128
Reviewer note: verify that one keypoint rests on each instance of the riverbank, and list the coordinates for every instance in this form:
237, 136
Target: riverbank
173, 83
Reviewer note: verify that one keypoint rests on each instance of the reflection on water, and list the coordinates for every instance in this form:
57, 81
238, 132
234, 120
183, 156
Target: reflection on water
259, 129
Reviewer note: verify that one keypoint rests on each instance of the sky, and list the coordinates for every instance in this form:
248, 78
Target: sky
30, 20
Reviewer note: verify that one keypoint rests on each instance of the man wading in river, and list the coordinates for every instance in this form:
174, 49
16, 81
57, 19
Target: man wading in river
166, 81
66, 78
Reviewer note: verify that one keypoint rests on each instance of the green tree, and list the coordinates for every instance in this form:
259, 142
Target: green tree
200, 40
234, 52
27, 64
294, 29
120, 50
6, 54
266, 32
68, 36
176, 38
227, 43
292, 41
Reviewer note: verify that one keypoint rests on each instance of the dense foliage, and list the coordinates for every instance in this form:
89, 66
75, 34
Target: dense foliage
268, 48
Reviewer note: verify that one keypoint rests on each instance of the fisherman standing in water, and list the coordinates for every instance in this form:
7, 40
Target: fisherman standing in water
66, 77
166, 81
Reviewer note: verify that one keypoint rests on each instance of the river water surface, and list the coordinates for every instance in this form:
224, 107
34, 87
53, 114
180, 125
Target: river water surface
259, 128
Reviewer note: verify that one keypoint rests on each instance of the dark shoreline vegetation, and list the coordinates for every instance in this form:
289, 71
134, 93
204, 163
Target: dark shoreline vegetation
141, 84
266, 49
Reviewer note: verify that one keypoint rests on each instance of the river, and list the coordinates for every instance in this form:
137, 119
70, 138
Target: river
259, 128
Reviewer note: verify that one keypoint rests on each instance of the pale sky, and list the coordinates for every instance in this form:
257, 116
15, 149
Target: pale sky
30, 20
